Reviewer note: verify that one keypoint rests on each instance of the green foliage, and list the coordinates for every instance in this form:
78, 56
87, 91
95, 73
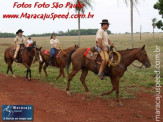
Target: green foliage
6, 35
87, 3
60, 33
159, 7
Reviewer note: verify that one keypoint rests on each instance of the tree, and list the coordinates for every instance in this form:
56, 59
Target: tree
154, 20
78, 9
159, 6
132, 4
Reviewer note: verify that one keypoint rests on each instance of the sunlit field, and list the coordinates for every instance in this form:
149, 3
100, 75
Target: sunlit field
133, 81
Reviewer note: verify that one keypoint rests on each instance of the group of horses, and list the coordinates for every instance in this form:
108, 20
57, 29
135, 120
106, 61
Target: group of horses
75, 55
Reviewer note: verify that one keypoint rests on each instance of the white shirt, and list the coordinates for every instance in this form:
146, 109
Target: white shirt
104, 36
54, 43
29, 42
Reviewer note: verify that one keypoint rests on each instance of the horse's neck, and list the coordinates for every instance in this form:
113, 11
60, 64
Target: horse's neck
29, 53
68, 50
129, 57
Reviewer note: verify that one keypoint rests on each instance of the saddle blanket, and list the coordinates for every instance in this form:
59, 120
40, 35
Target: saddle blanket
90, 55
47, 52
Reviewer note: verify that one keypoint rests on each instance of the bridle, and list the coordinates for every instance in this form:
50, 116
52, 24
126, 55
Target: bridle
139, 67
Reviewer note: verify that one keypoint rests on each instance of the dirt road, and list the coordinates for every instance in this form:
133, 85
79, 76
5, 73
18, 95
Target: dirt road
54, 105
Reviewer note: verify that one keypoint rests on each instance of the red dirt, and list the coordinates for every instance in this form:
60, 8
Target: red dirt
54, 105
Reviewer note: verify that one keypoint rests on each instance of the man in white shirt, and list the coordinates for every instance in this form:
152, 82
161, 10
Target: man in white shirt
103, 42
29, 42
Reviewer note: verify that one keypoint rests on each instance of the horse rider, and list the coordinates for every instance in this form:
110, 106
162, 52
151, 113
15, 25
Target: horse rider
103, 42
19, 40
55, 46
29, 42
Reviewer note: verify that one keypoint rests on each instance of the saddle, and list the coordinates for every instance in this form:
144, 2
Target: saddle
47, 52
92, 54
20, 52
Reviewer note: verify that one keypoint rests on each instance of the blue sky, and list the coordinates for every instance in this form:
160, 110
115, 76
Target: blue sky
115, 11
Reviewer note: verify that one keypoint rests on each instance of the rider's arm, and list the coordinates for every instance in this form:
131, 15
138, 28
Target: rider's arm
99, 42
15, 44
109, 41
15, 41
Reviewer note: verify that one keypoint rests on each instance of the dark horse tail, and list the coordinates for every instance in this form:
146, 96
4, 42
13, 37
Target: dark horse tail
5, 56
5, 59
69, 60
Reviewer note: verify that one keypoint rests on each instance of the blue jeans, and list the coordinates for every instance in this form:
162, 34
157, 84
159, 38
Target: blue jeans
53, 52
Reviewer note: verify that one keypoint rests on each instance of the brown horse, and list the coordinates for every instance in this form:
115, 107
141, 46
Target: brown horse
61, 61
26, 59
80, 62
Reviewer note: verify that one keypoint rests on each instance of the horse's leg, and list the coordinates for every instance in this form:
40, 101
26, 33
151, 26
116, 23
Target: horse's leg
63, 74
117, 92
12, 72
27, 75
10, 68
7, 71
59, 74
45, 66
82, 79
28, 71
40, 68
72, 74
30, 75
113, 85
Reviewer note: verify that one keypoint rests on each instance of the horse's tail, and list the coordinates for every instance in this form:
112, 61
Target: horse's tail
5, 56
69, 60
5, 59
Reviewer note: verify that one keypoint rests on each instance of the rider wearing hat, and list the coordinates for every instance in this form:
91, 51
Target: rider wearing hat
55, 46
19, 39
103, 42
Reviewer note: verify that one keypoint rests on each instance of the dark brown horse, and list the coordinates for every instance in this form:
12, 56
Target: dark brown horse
61, 61
26, 59
80, 62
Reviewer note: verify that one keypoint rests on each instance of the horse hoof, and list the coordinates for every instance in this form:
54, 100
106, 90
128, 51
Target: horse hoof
68, 92
65, 81
88, 94
6, 75
120, 104
14, 76
51, 84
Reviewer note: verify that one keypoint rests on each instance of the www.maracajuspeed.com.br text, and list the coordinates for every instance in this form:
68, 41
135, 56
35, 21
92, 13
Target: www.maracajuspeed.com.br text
45, 16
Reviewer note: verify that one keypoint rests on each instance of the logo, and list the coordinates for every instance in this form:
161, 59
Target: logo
17, 112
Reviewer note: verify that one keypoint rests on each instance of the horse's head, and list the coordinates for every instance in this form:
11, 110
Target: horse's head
143, 57
73, 47
38, 55
76, 46
32, 46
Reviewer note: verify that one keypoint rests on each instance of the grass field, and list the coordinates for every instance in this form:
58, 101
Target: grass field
132, 81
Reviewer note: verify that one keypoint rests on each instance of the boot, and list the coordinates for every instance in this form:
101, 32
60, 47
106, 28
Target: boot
51, 62
101, 75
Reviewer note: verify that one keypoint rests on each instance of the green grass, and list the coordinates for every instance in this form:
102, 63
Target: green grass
133, 81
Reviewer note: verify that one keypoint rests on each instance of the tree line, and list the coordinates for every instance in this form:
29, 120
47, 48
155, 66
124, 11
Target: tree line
60, 33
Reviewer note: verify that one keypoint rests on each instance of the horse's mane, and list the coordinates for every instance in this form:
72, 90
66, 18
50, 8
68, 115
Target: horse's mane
127, 50
31, 47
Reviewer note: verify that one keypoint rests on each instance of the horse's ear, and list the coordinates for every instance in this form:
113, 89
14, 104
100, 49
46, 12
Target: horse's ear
75, 45
143, 48
40, 48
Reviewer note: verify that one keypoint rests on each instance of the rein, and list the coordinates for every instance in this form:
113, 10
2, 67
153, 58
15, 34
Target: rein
63, 50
